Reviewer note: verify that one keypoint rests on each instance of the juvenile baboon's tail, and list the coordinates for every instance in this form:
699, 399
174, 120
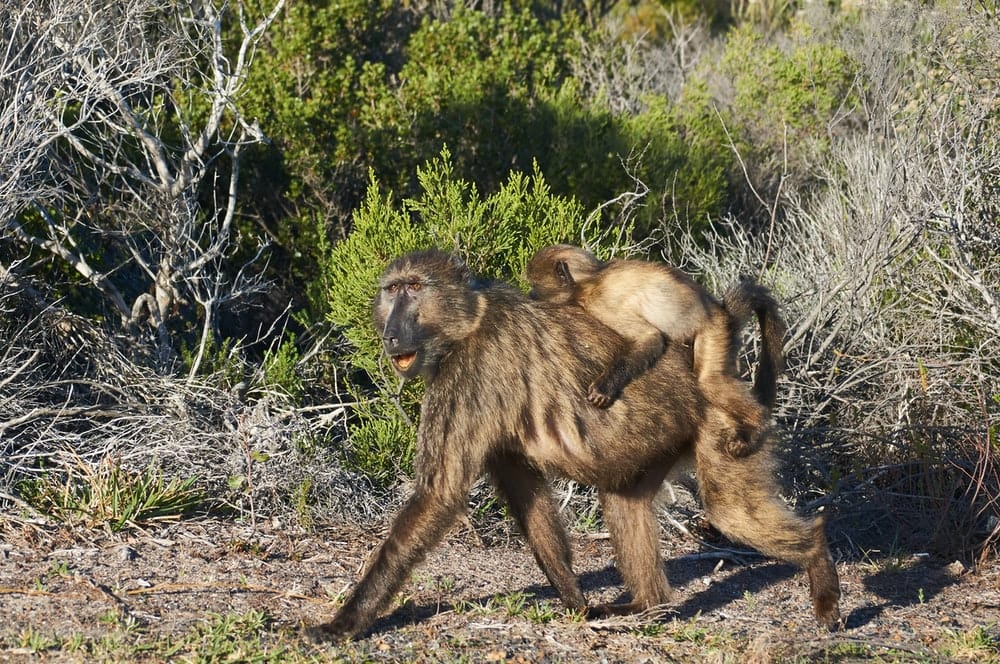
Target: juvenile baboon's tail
749, 297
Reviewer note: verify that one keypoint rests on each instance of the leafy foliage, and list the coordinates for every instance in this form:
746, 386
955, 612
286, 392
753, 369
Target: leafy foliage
788, 101
111, 495
495, 88
866, 136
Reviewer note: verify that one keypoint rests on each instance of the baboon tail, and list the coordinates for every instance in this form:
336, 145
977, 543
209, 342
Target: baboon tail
749, 297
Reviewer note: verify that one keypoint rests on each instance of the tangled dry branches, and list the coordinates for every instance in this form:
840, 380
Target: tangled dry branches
70, 395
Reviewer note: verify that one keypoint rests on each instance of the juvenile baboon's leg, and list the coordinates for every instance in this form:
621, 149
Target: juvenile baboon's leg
715, 346
635, 535
530, 502
715, 368
420, 525
632, 360
740, 499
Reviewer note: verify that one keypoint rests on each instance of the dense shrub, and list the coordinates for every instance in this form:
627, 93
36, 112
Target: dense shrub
786, 102
340, 96
869, 135
888, 268
801, 87
473, 82
314, 77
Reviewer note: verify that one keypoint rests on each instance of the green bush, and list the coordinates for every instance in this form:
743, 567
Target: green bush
472, 82
341, 97
498, 92
312, 77
495, 234
684, 159
801, 87
788, 101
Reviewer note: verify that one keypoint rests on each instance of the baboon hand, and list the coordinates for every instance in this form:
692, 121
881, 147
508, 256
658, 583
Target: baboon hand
602, 393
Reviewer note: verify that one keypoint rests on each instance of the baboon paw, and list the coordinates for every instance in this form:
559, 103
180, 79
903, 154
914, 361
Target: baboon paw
831, 620
329, 632
599, 611
827, 611
598, 399
604, 391
743, 443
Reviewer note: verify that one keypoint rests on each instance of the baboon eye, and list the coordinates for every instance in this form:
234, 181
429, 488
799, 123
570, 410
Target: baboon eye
415, 286
392, 288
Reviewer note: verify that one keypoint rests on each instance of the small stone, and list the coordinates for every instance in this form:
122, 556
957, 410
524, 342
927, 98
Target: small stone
955, 569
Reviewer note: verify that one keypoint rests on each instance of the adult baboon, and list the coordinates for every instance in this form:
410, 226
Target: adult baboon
505, 379
651, 304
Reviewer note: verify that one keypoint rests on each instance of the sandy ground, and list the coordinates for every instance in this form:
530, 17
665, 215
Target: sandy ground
57, 582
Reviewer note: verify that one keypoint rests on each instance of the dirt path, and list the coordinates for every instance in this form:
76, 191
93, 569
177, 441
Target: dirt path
483, 603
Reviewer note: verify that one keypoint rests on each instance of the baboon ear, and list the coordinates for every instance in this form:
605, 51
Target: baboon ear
563, 274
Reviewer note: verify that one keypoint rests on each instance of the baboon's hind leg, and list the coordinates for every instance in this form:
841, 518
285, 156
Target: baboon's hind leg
635, 536
530, 502
715, 368
740, 499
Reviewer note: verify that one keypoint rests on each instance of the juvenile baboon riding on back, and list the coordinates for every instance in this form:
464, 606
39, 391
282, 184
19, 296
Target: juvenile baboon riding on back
505, 395
651, 305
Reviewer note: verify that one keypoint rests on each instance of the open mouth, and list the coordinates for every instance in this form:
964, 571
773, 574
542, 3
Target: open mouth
404, 362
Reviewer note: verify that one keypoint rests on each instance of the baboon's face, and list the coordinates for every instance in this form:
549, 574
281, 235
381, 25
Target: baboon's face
419, 310
397, 318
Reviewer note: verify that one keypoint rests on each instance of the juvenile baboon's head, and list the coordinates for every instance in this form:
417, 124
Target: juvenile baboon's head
426, 302
554, 271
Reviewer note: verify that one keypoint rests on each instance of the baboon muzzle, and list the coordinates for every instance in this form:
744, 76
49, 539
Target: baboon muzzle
401, 344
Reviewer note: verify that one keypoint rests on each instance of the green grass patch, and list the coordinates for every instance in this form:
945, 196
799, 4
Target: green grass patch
979, 644
243, 637
109, 495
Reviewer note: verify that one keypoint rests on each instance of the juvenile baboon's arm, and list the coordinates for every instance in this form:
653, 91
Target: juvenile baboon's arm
631, 360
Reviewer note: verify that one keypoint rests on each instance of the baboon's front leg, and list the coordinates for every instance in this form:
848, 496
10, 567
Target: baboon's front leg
635, 535
420, 525
530, 501
632, 360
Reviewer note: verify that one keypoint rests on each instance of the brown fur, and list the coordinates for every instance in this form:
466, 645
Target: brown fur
505, 379
650, 304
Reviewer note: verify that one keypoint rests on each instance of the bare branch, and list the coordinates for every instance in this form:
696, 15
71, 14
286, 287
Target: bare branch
94, 103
